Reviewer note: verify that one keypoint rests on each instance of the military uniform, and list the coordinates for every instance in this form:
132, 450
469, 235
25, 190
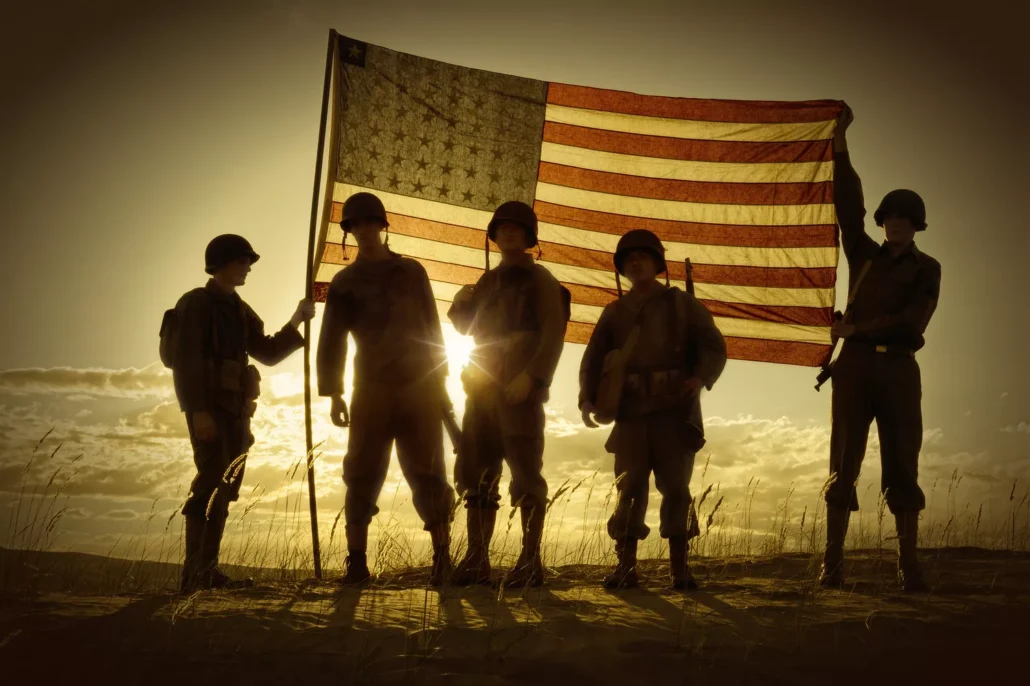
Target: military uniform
217, 333
876, 375
399, 370
657, 429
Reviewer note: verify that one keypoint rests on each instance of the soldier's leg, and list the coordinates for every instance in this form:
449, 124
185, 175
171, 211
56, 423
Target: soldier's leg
851, 415
672, 459
899, 422
630, 444
364, 471
421, 457
523, 430
477, 472
237, 442
211, 462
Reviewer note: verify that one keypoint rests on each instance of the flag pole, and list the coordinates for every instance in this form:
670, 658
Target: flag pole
308, 287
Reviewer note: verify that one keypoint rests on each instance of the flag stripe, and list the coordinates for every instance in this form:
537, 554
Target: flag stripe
600, 259
748, 111
727, 152
692, 129
687, 170
705, 213
473, 257
693, 233
686, 191
774, 257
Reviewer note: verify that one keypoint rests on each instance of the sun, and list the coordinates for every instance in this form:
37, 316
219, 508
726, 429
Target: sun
459, 348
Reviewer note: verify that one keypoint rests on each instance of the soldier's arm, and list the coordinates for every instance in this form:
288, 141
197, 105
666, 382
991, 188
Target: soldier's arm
435, 332
551, 315
913, 320
602, 342
849, 202
711, 346
190, 374
462, 311
270, 350
332, 343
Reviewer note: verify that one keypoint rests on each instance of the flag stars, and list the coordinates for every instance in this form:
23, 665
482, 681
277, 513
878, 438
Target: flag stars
397, 159
494, 177
467, 196
418, 187
354, 52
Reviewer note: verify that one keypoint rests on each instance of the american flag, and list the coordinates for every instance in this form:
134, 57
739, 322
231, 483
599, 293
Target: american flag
742, 188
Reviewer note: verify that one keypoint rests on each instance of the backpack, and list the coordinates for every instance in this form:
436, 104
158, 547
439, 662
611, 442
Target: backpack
168, 349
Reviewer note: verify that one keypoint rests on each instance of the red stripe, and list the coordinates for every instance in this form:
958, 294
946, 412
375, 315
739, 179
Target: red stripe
744, 111
686, 191
687, 149
804, 236
781, 352
451, 234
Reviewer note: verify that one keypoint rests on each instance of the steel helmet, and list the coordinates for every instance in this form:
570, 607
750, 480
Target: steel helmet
639, 239
362, 206
902, 203
224, 249
516, 212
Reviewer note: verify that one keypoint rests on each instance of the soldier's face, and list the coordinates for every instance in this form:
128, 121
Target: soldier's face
511, 237
366, 230
640, 267
899, 230
236, 271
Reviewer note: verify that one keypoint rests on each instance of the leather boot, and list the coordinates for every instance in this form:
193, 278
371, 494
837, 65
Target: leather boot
356, 569
832, 573
910, 576
474, 567
679, 566
529, 569
191, 564
212, 576
625, 573
441, 535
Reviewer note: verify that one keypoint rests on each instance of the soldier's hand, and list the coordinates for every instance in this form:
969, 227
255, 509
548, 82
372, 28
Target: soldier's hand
588, 409
204, 427
338, 413
844, 119
518, 390
305, 312
692, 386
842, 330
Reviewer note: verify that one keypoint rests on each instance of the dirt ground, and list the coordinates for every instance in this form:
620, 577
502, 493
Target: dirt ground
753, 622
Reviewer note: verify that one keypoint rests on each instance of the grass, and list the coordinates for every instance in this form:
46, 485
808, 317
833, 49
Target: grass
269, 531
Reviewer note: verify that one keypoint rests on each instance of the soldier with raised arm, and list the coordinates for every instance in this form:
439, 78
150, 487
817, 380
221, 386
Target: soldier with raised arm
895, 287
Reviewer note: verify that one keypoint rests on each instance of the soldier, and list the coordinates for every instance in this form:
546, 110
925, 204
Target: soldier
671, 349
895, 288
400, 366
515, 314
214, 332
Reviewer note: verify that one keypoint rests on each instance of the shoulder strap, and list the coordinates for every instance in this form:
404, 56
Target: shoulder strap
858, 282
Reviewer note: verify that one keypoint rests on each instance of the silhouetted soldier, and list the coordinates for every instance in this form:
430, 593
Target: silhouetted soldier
385, 301
516, 315
668, 349
876, 376
212, 334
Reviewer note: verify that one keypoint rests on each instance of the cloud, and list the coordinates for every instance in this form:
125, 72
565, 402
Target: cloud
1021, 428
152, 380
119, 514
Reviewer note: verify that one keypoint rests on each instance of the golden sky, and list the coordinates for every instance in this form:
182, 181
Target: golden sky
132, 136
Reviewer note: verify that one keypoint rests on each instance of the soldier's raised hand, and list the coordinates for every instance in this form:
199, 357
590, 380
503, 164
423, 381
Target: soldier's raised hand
844, 119
304, 313
338, 413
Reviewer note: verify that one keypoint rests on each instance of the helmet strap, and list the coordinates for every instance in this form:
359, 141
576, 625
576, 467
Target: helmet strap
344, 246
666, 276
618, 282
386, 240
486, 250
539, 251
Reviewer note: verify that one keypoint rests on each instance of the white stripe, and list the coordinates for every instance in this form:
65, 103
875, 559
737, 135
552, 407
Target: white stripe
686, 128
686, 170
728, 326
596, 240
473, 257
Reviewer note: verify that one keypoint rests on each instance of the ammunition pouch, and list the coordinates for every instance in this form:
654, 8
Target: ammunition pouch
654, 383
235, 378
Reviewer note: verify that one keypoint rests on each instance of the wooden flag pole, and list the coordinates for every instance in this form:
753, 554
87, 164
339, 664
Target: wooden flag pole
308, 287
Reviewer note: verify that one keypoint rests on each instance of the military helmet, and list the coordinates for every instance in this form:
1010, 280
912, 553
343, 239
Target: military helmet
224, 249
362, 206
902, 203
639, 239
516, 212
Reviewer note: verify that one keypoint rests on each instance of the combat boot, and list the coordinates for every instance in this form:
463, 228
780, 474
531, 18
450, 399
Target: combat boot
832, 572
474, 567
910, 576
625, 573
212, 577
191, 564
679, 564
529, 569
357, 569
441, 535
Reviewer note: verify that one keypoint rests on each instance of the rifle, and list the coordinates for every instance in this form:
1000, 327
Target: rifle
450, 422
827, 366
